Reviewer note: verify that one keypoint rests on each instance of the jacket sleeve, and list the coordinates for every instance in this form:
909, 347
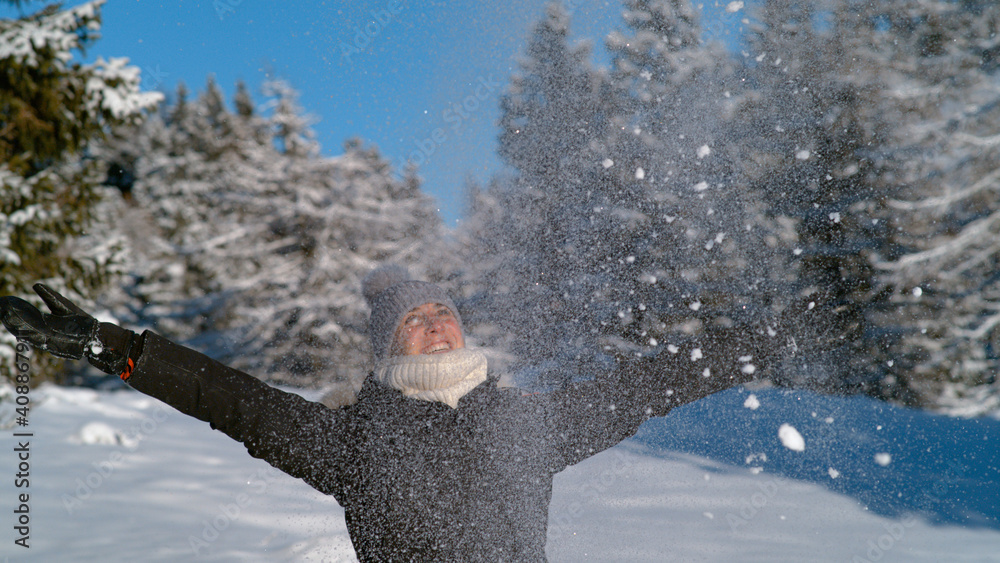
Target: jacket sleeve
300, 437
595, 415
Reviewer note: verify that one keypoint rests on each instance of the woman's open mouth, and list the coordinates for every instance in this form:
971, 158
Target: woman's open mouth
437, 348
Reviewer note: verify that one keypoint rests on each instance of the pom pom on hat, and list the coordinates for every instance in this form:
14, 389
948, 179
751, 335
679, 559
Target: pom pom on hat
391, 294
382, 278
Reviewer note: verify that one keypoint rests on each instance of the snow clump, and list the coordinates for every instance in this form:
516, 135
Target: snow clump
790, 438
99, 433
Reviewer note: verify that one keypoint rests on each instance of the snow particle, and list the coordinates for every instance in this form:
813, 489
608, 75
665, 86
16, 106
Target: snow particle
883, 459
833, 473
707, 372
734, 7
608, 163
695, 306
752, 402
701, 186
790, 438
704, 151
640, 173
835, 217
803, 155
917, 292
696, 355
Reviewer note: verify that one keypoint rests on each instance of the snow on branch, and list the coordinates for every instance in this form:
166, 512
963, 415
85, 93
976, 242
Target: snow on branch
988, 181
969, 237
113, 87
60, 32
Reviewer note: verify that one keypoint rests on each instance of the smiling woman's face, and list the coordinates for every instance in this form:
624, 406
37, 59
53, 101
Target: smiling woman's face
428, 329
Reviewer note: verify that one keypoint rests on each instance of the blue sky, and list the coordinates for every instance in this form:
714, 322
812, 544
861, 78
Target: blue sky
387, 71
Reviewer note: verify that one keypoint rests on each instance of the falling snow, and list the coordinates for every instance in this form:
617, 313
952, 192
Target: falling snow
790, 438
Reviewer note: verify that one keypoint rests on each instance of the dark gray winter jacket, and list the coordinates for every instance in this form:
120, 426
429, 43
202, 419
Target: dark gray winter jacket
419, 480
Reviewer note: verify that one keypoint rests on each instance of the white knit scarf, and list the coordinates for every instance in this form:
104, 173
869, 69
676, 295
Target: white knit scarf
444, 377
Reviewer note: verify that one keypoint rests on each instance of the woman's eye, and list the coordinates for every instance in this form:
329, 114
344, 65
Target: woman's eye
412, 321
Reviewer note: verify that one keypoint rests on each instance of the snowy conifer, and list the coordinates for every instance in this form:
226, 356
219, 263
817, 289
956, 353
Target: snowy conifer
675, 97
52, 108
810, 144
615, 234
539, 284
941, 60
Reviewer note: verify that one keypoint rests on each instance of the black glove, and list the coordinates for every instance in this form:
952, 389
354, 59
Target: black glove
69, 332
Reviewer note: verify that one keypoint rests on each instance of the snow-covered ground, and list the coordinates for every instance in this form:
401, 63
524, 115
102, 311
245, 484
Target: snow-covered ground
117, 476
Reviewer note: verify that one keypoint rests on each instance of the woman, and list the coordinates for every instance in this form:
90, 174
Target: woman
434, 462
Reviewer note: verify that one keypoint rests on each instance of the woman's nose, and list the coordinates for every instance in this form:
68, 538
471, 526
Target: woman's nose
434, 323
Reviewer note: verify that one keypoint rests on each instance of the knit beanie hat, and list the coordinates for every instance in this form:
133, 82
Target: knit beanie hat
391, 294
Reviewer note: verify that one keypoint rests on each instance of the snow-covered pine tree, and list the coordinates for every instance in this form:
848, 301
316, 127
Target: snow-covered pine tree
260, 242
185, 162
615, 194
538, 254
940, 59
669, 79
699, 240
52, 108
810, 143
